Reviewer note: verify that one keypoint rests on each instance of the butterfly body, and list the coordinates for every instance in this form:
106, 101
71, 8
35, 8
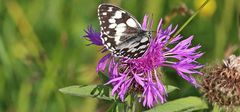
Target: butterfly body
121, 33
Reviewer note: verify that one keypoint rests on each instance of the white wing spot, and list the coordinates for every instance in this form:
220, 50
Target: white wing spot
143, 46
107, 32
104, 13
130, 22
111, 20
123, 12
131, 49
142, 51
144, 40
120, 28
134, 50
117, 39
121, 25
110, 9
109, 44
112, 26
105, 38
118, 15
134, 45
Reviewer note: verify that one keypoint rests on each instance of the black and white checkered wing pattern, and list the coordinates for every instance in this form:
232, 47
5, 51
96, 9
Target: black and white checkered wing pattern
121, 33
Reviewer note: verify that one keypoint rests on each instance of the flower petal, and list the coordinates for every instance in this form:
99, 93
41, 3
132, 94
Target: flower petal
93, 36
102, 63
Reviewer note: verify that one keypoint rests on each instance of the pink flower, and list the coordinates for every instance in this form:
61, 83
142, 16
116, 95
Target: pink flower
140, 75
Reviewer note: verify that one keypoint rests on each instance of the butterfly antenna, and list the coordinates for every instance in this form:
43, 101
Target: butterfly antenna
102, 49
151, 31
149, 23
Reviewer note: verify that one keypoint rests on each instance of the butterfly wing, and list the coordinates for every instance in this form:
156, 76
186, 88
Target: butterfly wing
119, 29
135, 46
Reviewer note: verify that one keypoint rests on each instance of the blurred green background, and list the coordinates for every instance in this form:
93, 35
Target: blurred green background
41, 49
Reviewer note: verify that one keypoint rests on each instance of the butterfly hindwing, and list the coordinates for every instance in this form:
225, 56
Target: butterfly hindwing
121, 33
134, 47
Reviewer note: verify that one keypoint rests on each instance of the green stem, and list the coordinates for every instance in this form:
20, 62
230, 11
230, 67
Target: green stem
131, 103
216, 108
134, 105
137, 106
190, 19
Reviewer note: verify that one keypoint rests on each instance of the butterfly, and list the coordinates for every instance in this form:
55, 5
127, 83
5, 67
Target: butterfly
121, 33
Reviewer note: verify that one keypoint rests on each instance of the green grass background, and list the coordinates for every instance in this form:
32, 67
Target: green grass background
41, 49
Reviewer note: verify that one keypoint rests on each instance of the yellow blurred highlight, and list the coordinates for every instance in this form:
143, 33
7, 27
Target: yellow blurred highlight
91, 74
208, 10
19, 51
25, 28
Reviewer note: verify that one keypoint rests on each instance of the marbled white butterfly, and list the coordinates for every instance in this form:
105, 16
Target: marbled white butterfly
121, 33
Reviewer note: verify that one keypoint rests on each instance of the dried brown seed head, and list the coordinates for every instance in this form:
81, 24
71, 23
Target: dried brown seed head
220, 83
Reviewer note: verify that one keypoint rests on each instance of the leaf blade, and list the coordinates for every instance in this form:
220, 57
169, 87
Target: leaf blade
170, 88
187, 104
95, 91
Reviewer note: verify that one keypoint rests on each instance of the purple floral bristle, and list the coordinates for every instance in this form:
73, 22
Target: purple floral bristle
93, 36
140, 75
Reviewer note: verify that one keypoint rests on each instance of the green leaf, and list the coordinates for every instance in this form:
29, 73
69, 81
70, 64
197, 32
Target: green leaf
95, 91
104, 78
170, 88
187, 104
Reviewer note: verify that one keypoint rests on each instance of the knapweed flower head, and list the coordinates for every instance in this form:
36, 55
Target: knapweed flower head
140, 76
220, 83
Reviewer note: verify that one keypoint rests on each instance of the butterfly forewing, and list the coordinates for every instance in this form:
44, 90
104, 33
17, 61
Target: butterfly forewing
121, 33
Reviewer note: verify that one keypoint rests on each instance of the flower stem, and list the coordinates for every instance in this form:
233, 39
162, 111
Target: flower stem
216, 108
134, 105
137, 106
131, 103
190, 19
